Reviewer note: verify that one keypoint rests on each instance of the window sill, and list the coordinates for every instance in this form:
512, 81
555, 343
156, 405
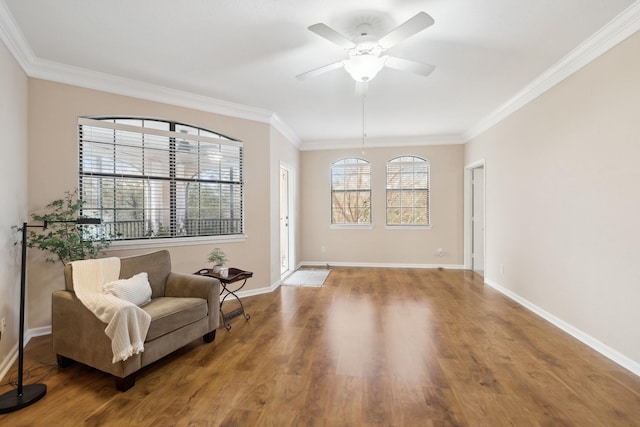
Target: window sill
351, 226
407, 227
173, 242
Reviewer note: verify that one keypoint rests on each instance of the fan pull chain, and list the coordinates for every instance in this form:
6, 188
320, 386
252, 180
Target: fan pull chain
364, 115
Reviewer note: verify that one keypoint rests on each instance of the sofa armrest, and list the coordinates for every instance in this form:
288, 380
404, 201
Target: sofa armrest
194, 286
79, 335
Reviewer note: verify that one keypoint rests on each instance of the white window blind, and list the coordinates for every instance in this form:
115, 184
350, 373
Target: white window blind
408, 184
150, 178
351, 191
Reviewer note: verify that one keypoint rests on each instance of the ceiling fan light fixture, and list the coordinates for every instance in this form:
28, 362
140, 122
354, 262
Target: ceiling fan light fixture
364, 67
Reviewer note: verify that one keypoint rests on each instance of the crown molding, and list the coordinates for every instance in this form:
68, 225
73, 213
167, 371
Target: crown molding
277, 123
11, 35
75, 76
620, 28
67, 74
410, 141
616, 31
13, 38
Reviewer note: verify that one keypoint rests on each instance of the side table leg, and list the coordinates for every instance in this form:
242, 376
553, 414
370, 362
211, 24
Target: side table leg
241, 309
225, 321
237, 311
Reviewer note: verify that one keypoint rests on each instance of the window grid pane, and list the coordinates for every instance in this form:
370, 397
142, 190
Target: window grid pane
408, 191
146, 181
351, 192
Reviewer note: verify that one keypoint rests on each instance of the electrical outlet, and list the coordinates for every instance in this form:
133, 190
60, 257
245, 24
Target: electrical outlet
3, 326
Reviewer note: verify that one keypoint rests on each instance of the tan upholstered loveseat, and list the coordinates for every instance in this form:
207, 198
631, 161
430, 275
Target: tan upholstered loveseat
183, 307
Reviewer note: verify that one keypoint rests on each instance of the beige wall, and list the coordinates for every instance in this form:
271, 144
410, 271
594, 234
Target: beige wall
13, 193
381, 245
53, 112
562, 200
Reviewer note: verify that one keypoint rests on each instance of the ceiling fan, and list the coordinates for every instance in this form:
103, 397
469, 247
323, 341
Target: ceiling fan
367, 55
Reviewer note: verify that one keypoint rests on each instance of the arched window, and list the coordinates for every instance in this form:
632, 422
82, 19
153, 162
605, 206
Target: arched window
408, 191
148, 178
351, 192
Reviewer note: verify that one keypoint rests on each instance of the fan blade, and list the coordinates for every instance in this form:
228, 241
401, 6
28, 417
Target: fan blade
412, 26
411, 66
320, 70
332, 35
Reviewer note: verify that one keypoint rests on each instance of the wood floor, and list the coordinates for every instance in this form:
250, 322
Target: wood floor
373, 347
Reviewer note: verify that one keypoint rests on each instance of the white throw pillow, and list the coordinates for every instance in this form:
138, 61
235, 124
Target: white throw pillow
136, 290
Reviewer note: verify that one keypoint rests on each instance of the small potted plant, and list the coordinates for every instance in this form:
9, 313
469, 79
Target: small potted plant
218, 258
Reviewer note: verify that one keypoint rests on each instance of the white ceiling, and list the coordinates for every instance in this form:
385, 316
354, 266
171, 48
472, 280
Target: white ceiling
248, 52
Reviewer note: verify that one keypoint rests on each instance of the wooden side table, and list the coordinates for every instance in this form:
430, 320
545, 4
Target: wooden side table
234, 275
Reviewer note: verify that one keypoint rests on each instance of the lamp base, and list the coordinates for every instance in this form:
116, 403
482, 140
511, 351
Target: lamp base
10, 401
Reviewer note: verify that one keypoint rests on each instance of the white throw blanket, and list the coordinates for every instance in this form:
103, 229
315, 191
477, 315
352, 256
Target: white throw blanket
127, 324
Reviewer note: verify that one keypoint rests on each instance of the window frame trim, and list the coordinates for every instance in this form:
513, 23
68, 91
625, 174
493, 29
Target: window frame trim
354, 225
221, 139
98, 122
119, 245
413, 226
351, 226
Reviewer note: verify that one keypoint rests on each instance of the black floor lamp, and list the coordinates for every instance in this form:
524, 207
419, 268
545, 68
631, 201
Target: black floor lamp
25, 395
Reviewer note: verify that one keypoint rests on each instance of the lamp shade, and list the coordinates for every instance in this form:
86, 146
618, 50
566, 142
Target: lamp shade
364, 67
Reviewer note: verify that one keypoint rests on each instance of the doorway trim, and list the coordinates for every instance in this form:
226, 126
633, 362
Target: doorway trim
468, 203
291, 221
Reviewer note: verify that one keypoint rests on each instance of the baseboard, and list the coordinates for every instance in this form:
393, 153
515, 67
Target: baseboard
259, 291
8, 362
37, 332
274, 286
587, 339
11, 358
378, 265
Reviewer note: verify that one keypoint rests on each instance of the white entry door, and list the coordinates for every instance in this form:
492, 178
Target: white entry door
284, 221
477, 221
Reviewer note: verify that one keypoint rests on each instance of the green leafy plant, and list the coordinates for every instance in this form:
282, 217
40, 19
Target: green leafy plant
62, 238
217, 257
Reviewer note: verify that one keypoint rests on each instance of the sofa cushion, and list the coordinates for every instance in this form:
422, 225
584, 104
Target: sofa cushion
156, 264
136, 290
169, 314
